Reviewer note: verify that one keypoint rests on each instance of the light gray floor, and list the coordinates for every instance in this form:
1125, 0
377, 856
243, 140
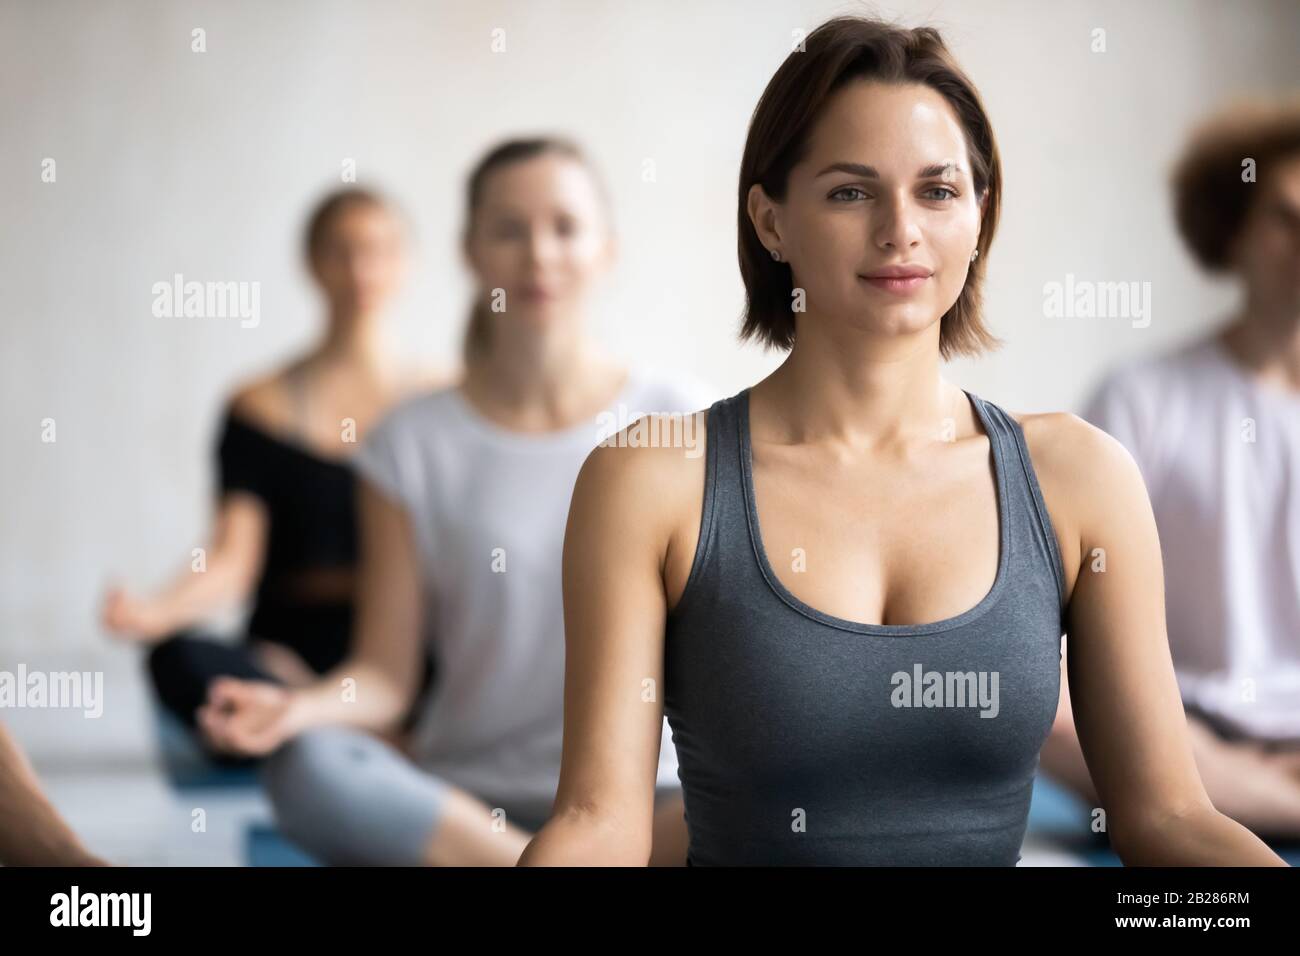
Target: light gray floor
132, 817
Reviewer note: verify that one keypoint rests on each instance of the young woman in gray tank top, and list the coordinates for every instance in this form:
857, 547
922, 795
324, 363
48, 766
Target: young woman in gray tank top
847, 590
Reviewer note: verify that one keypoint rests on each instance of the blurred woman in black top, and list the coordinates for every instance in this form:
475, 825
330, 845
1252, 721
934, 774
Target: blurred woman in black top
285, 529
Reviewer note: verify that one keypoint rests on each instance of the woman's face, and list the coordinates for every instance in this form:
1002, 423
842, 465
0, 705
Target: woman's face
886, 182
361, 260
1266, 253
540, 236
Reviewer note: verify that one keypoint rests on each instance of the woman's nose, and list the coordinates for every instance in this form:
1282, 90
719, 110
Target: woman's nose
896, 226
541, 246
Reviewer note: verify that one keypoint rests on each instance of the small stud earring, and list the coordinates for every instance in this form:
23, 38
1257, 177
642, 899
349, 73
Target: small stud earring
776, 254
974, 255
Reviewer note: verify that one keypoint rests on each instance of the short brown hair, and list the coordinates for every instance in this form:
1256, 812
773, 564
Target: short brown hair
1211, 196
328, 209
840, 50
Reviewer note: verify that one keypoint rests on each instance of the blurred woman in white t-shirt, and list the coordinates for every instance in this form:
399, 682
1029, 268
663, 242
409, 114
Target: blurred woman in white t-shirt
1215, 428
463, 504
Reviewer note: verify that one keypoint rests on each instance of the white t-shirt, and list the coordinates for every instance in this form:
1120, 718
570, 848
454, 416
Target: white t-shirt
1220, 453
489, 508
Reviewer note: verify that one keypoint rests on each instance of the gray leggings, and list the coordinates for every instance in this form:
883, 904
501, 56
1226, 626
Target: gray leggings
348, 798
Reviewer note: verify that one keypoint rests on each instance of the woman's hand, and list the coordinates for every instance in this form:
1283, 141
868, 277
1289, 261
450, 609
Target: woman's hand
131, 618
232, 564
251, 718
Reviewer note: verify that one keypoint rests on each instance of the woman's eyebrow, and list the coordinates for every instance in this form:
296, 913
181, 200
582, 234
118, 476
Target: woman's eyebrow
869, 172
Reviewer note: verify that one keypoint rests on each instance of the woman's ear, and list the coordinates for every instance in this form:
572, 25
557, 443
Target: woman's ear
467, 251
762, 212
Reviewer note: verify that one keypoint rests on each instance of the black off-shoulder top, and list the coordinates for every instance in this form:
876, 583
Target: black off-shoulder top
311, 502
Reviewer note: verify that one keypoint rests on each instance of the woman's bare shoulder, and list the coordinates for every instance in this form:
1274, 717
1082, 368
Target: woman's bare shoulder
652, 471
1072, 452
657, 450
263, 398
1085, 475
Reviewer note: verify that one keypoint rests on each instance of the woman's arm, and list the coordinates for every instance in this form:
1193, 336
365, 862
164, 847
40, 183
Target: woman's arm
1258, 789
31, 831
384, 667
375, 686
232, 563
1125, 699
614, 615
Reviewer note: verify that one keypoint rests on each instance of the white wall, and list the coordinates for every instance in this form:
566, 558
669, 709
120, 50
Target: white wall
171, 161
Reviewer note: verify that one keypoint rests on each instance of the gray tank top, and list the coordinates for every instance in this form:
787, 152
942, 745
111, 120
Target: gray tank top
804, 738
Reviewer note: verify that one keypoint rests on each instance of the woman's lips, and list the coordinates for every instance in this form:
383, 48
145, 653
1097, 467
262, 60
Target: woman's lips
897, 285
536, 294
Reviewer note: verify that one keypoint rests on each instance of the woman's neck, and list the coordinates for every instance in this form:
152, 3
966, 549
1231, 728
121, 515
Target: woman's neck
543, 381
1267, 346
863, 390
356, 343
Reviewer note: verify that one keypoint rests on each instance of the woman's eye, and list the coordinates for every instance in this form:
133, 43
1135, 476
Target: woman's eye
848, 189
509, 230
944, 192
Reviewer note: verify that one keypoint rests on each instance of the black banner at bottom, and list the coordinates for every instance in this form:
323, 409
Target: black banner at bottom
305, 905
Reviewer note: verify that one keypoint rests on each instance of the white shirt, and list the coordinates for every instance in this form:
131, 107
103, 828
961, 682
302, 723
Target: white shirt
1220, 453
489, 508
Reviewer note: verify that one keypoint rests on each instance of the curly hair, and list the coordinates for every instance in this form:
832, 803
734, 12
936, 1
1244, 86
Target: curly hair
1212, 194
